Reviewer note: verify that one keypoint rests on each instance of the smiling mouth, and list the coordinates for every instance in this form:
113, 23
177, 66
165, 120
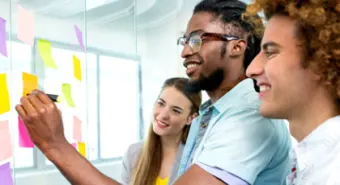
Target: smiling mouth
264, 88
192, 66
161, 124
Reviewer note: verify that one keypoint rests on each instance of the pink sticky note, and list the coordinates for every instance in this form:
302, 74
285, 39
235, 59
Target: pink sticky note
25, 26
79, 35
6, 175
5, 141
3, 38
24, 138
74, 145
76, 129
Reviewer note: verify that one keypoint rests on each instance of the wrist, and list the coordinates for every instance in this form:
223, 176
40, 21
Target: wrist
55, 151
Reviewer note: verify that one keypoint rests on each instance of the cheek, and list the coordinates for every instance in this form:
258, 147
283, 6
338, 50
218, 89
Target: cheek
178, 123
211, 55
155, 112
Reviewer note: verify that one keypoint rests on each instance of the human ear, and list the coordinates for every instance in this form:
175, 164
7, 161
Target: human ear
192, 117
237, 48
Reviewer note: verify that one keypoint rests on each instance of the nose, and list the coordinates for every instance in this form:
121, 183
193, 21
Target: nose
187, 51
163, 114
256, 67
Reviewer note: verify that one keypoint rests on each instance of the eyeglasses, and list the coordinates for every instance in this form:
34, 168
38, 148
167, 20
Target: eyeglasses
195, 39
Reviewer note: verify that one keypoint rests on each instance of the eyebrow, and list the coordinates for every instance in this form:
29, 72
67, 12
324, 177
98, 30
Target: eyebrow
266, 45
194, 32
172, 106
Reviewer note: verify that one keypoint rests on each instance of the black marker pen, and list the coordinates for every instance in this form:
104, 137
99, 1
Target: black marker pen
53, 97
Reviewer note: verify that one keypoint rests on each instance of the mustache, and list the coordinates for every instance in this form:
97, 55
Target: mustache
194, 57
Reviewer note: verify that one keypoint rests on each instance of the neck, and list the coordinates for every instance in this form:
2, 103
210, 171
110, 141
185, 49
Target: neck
170, 143
226, 85
306, 119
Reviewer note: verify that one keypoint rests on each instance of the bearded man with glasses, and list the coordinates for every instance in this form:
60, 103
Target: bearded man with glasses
230, 142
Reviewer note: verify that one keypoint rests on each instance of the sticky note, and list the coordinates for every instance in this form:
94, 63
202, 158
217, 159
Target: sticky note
4, 95
30, 82
76, 68
67, 92
24, 138
74, 145
82, 148
3, 45
44, 48
59, 99
25, 26
76, 129
5, 141
6, 175
79, 35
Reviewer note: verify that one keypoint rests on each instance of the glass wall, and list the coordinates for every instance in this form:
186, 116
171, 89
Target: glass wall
84, 51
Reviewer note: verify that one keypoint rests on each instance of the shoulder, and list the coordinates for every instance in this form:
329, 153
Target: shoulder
134, 149
132, 153
245, 124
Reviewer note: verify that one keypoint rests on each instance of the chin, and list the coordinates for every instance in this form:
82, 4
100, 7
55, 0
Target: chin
157, 131
270, 112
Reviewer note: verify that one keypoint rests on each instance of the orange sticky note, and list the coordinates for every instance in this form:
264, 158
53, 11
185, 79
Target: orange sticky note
82, 148
76, 68
30, 82
5, 141
4, 95
76, 129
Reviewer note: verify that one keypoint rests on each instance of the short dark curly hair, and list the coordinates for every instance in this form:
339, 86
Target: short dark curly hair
230, 12
318, 28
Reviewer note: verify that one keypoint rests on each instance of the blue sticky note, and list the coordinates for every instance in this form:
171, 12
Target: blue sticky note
6, 175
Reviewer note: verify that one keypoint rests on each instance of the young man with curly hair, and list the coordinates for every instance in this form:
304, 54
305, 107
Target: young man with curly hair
298, 72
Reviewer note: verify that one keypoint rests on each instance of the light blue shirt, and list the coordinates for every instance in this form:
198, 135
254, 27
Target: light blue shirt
239, 142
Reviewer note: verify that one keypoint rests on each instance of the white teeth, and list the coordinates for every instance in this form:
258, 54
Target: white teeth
191, 66
264, 88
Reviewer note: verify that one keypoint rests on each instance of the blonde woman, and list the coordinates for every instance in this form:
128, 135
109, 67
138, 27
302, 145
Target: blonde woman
155, 161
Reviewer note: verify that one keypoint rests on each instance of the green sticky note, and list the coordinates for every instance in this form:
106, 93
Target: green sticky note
67, 92
44, 48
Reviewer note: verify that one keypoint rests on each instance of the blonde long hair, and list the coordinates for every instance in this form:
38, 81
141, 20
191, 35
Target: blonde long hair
149, 161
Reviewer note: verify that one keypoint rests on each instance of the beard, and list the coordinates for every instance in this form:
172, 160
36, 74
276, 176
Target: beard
206, 83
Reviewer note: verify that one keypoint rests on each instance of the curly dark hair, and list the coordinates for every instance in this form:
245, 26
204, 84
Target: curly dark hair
318, 29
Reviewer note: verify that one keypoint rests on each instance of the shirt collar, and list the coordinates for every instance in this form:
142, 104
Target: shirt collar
233, 96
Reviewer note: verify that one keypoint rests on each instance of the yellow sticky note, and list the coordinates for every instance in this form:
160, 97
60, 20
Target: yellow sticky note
67, 92
4, 95
45, 53
76, 68
30, 82
82, 148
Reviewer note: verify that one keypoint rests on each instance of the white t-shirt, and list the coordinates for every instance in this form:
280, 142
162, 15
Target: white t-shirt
317, 157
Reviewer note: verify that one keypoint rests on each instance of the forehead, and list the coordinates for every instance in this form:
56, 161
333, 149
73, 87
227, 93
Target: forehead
204, 21
174, 97
281, 30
